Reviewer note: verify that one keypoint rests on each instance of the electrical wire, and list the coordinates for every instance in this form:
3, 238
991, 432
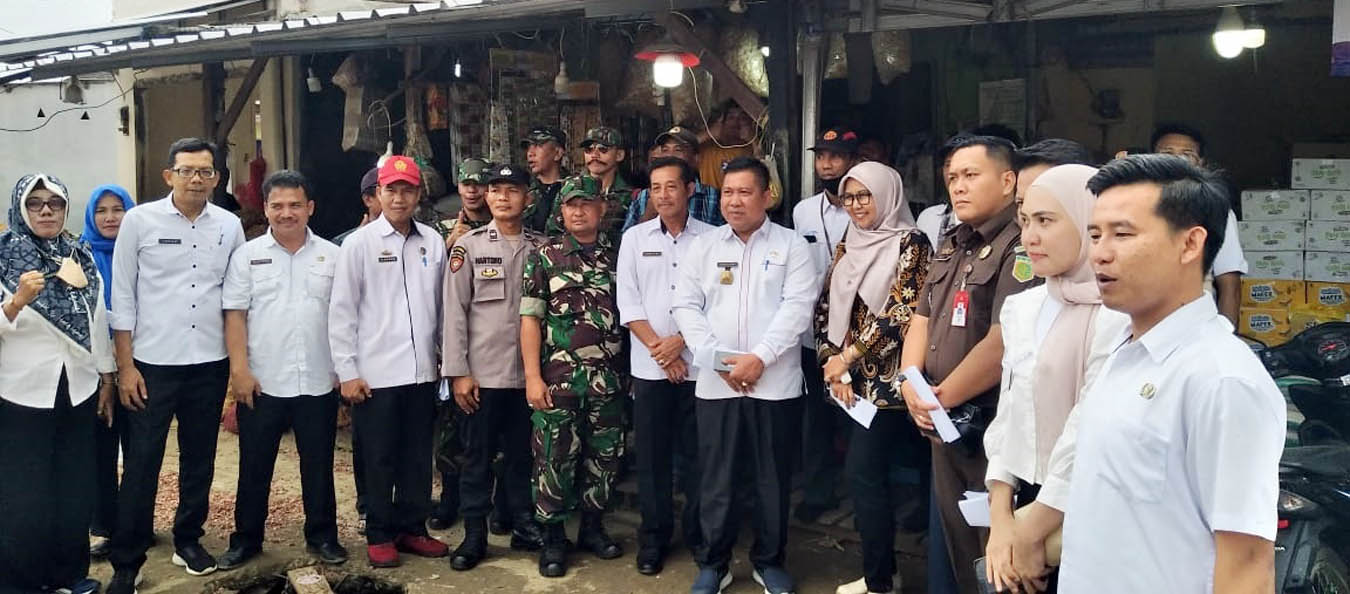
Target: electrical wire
759, 130
74, 108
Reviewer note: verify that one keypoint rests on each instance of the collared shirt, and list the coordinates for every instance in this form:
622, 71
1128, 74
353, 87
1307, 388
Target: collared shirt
386, 306
704, 205
481, 335
286, 298
936, 221
1011, 441
1229, 257
754, 297
617, 197
569, 287
989, 264
167, 278
1179, 437
822, 224
33, 353
649, 260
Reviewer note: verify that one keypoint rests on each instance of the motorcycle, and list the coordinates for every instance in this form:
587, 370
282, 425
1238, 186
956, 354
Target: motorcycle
1312, 546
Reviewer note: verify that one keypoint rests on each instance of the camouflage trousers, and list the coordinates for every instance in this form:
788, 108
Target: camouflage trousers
449, 455
577, 447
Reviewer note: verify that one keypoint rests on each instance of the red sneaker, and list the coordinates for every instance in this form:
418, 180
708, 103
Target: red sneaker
382, 555
422, 546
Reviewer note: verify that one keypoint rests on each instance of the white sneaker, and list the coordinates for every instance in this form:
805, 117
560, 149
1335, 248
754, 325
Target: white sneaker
858, 587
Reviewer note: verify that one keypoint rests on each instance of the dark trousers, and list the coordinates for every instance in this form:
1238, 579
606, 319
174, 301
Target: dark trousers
46, 496
822, 422
751, 438
358, 470
108, 443
871, 455
663, 416
955, 471
395, 426
194, 394
314, 422
501, 424
940, 577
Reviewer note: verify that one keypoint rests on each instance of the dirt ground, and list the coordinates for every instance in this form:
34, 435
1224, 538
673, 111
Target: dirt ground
820, 559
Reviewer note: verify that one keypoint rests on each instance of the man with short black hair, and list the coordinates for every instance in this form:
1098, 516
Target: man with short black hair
370, 186
679, 143
545, 147
1031, 161
168, 269
276, 297
1180, 437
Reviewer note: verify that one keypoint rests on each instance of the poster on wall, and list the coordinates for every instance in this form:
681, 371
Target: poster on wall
1004, 102
1340, 39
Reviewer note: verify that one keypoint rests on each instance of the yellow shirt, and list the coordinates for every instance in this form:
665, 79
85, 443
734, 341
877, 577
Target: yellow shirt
711, 158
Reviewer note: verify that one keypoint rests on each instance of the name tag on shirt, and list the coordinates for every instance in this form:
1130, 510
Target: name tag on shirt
259, 262
487, 260
388, 258
810, 238
651, 254
960, 305
166, 241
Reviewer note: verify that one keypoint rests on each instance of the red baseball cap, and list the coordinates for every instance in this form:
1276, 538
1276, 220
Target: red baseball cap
400, 169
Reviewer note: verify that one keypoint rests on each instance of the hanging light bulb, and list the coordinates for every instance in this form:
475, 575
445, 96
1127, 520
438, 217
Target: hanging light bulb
1254, 35
1229, 35
313, 82
667, 71
459, 70
764, 49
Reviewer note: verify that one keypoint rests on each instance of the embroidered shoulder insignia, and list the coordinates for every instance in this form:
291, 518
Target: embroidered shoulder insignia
457, 255
1021, 271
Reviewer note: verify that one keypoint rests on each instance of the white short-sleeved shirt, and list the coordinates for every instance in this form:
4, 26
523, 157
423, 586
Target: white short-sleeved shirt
1230, 257
286, 297
1179, 437
648, 267
930, 222
822, 224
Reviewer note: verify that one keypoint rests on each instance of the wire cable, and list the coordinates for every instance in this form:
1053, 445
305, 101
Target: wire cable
74, 108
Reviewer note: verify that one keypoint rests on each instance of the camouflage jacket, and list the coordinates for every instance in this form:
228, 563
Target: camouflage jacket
617, 199
570, 288
453, 229
539, 211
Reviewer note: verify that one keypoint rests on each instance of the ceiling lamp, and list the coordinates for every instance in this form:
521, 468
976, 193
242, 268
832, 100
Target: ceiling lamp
72, 92
669, 60
1230, 35
1254, 35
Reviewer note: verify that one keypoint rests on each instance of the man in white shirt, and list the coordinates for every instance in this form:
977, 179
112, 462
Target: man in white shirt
663, 382
168, 268
281, 369
745, 295
1175, 479
383, 325
821, 221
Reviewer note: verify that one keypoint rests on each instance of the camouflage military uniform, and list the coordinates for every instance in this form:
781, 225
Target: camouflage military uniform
539, 212
570, 289
617, 199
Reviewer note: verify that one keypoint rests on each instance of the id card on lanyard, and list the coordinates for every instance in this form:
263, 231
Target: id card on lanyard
961, 301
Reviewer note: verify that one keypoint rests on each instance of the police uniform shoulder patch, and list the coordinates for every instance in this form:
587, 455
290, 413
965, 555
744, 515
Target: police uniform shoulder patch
457, 255
1021, 271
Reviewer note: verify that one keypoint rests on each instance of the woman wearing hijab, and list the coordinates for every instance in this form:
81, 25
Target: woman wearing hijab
102, 219
55, 353
861, 318
1055, 338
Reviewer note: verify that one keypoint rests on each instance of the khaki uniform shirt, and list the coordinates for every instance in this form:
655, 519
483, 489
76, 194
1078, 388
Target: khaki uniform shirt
990, 264
481, 335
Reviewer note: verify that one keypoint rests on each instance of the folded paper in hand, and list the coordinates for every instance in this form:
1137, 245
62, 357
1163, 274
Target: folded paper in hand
946, 430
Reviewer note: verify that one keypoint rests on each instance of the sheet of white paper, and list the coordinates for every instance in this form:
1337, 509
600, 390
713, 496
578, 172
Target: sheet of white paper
863, 411
975, 508
946, 430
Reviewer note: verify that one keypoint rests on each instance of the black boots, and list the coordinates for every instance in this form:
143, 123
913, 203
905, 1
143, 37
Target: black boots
526, 535
474, 548
447, 509
592, 537
553, 559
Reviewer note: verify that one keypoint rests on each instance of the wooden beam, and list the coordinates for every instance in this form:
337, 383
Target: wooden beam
213, 87
240, 100
722, 74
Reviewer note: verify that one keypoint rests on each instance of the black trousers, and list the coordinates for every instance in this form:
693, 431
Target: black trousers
194, 394
754, 439
395, 426
358, 470
46, 497
955, 471
822, 422
871, 455
314, 421
108, 443
663, 416
501, 424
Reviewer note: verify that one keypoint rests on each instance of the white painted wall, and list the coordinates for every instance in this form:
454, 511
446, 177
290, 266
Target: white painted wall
83, 154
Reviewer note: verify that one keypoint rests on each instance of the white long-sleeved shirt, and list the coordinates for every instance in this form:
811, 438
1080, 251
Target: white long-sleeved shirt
384, 317
286, 299
33, 352
762, 310
1011, 440
649, 260
822, 224
167, 277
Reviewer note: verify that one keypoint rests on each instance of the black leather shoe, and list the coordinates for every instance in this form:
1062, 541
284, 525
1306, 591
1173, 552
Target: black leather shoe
123, 582
592, 537
471, 552
447, 508
553, 559
650, 561
526, 535
198, 562
330, 552
233, 558
500, 524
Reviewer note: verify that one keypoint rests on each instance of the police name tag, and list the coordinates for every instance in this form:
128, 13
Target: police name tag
388, 258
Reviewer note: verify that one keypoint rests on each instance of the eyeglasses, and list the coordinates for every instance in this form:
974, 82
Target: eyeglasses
597, 148
36, 205
862, 198
189, 173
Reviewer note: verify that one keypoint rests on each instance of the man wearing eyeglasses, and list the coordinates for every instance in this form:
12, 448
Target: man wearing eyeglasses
169, 330
603, 147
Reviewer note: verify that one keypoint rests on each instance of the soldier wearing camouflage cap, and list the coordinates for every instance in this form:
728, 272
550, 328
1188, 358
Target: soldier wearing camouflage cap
471, 176
545, 148
572, 346
603, 148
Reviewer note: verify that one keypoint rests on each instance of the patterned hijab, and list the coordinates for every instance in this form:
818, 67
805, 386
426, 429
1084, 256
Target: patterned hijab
65, 307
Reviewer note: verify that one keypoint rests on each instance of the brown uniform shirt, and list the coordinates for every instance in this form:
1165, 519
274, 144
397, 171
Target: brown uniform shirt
990, 263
